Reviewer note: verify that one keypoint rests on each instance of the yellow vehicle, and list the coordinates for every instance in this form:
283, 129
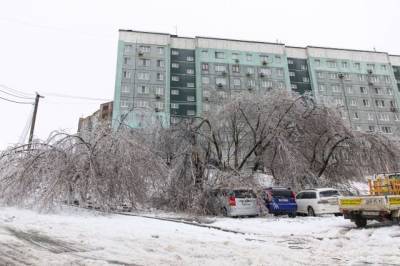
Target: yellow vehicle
382, 203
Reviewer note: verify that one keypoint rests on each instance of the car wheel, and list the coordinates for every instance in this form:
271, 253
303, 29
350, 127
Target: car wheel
338, 214
310, 211
360, 222
224, 212
292, 215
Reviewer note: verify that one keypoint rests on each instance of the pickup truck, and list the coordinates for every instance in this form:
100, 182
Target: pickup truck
360, 209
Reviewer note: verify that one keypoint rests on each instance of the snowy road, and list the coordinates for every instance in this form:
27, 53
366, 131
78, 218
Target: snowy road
73, 237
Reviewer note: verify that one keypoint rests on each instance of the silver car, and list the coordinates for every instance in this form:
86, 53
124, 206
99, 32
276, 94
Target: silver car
235, 202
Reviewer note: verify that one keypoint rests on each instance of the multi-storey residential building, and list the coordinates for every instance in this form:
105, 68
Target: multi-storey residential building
166, 77
102, 117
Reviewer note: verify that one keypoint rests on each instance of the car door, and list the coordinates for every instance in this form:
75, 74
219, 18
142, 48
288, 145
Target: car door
300, 202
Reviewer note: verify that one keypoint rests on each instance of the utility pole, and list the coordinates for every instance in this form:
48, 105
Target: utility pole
34, 118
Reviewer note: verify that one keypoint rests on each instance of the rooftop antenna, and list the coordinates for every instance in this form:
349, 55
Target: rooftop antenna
176, 30
374, 49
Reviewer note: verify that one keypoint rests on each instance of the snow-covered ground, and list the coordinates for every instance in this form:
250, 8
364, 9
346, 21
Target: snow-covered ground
80, 237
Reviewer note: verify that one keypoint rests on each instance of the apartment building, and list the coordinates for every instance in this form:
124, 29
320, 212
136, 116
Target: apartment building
102, 117
166, 78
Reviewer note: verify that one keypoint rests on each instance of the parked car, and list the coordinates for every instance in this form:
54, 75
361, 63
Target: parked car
280, 201
235, 202
318, 201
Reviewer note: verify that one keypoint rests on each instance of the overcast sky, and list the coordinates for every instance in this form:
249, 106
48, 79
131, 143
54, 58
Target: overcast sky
70, 46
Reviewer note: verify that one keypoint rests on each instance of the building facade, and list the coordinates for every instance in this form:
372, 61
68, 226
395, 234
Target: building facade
102, 117
166, 78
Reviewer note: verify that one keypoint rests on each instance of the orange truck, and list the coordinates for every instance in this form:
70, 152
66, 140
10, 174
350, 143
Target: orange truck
382, 203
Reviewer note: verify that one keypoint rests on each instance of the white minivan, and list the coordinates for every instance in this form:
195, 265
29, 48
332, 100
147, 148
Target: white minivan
318, 201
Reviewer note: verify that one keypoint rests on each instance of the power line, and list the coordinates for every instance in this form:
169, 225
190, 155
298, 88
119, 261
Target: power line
15, 101
74, 96
24, 94
14, 95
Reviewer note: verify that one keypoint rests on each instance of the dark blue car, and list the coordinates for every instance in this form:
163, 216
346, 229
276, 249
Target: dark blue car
280, 201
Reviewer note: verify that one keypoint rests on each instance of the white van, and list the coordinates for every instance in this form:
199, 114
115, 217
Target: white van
318, 201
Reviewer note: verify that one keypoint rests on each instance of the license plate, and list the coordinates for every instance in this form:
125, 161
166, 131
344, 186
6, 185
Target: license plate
350, 202
283, 200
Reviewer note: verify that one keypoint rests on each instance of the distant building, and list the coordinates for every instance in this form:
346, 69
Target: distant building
174, 77
101, 117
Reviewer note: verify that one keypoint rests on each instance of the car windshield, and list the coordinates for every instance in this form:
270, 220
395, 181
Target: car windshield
282, 193
328, 193
244, 194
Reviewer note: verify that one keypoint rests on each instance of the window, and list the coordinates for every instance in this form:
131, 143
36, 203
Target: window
190, 98
384, 117
175, 78
353, 102
159, 105
291, 74
125, 88
204, 67
333, 75
280, 85
222, 94
290, 62
344, 64
349, 90
190, 112
306, 79
303, 67
204, 53
365, 102
220, 81
389, 91
144, 49
357, 66
175, 65
124, 104
363, 90
278, 59
235, 56
143, 76
396, 117
251, 83
190, 85
142, 104
279, 72
322, 87
174, 106
175, 52
386, 130
144, 62
380, 103
347, 76
321, 75
206, 93
265, 71
371, 128
355, 115
190, 71
293, 86
235, 68
339, 101
361, 77
160, 50
378, 91
127, 48
383, 67
266, 84
160, 63
174, 119
370, 66
159, 91
126, 74
219, 55
190, 58
236, 82
174, 92
142, 89
331, 64
126, 60
205, 80
392, 103
370, 116
249, 57
250, 70
160, 76
387, 79
335, 88
220, 68
317, 62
